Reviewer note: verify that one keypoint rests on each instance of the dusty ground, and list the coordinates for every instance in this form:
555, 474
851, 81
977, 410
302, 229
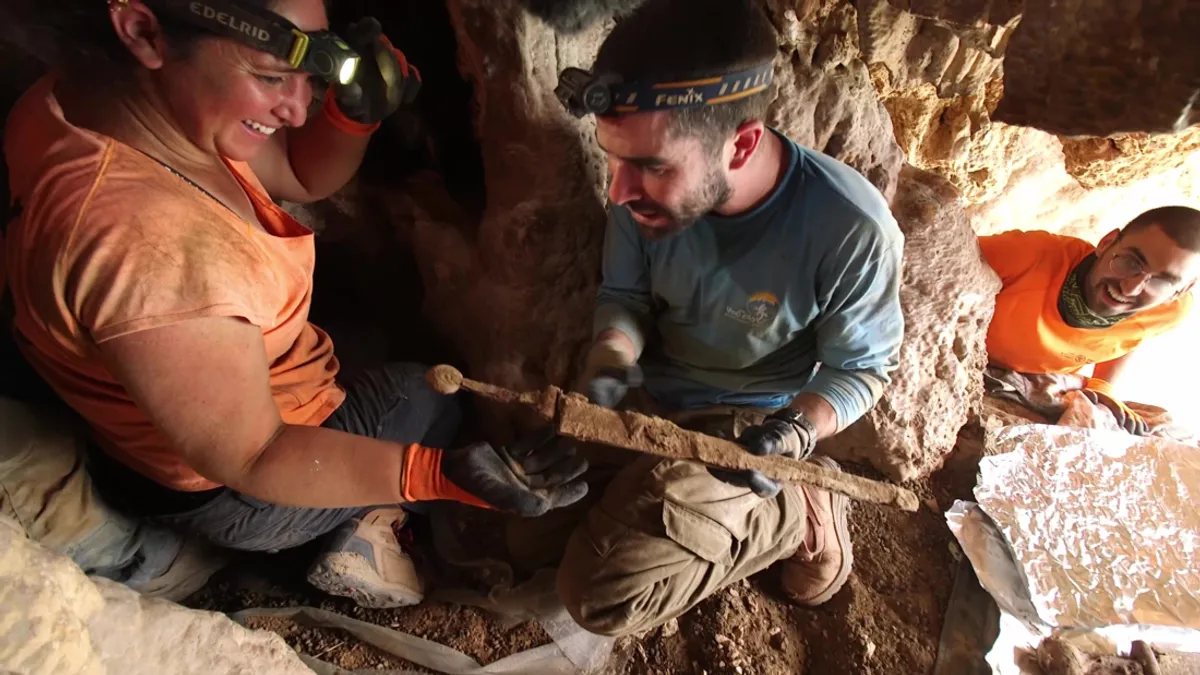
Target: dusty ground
887, 619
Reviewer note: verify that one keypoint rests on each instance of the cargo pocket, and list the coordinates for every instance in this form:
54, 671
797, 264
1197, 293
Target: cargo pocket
698, 533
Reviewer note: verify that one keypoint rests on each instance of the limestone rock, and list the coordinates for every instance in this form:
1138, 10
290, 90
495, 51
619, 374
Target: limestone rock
1028, 187
1096, 67
57, 621
45, 601
1124, 159
825, 98
958, 60
974, 12
948, 295
941, 81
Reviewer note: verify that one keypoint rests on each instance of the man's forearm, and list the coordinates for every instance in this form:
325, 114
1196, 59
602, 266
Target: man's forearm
324, 158
844, 396
613, 319
619, 341
818, 411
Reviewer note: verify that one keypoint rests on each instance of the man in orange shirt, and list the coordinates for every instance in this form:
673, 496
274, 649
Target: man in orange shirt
1066, 304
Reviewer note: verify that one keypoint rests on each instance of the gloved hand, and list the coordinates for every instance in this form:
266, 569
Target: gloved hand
608, 374
1101, 393
786, 432
385, 78
528, 479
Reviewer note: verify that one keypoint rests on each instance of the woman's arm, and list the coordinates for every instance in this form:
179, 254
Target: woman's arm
309, 163
205, 383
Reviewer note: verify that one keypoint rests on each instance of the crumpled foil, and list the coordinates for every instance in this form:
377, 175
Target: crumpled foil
1103, 525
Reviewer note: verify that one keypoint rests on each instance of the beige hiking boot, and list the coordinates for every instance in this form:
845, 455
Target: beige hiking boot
367, 563
820, 567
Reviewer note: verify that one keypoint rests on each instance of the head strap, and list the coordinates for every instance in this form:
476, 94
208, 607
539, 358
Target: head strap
320, 53
582, 93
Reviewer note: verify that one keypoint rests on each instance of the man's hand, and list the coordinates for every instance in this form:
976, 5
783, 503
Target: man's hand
528, 479
610, 371
385, 78
1100, 392
787, 432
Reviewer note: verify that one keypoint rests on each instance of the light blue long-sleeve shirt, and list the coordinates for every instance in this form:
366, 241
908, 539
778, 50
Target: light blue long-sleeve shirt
799, 295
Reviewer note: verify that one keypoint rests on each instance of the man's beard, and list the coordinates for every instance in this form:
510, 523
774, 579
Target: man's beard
713, 193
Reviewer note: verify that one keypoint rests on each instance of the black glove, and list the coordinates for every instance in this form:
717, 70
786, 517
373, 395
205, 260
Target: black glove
786, 432
609, 385
528, 479
385, 79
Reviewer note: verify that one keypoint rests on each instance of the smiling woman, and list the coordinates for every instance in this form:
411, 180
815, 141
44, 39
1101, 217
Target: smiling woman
164, 295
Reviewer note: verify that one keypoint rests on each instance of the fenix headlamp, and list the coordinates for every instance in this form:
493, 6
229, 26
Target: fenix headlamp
321, 53
582, 93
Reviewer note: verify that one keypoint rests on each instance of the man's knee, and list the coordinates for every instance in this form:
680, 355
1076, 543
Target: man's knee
666, 535
601, 588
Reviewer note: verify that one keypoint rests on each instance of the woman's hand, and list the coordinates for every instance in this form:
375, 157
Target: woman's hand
385, 79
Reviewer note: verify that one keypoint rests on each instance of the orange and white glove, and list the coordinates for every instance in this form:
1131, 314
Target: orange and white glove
529, 480
1100, 392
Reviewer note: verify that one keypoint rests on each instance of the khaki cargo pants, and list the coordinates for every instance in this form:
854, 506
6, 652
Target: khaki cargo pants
654, 537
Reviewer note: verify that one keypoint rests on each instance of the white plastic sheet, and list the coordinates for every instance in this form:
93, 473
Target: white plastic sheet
1020, 628
1085, 534
544, 660
1104, 525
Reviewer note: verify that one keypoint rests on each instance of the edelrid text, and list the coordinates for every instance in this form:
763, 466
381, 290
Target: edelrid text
201, 9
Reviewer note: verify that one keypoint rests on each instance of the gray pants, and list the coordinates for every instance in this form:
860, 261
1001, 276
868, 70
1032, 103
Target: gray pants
391, 403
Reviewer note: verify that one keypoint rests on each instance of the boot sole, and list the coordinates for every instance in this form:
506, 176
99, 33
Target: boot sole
840, 504
350, 575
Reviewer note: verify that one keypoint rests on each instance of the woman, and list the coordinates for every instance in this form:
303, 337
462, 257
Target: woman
163, 294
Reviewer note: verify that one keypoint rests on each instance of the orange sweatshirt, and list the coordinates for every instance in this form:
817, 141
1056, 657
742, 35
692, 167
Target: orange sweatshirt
1027, 333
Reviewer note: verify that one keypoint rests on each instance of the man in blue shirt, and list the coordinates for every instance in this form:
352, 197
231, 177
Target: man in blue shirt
741, 272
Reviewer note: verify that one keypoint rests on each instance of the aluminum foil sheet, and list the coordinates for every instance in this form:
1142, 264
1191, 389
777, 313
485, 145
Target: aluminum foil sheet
1104, 526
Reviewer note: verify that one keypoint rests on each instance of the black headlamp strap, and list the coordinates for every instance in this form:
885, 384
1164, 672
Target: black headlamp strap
260, 29
637, 97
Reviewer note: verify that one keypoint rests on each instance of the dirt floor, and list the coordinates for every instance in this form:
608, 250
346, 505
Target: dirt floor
887, 620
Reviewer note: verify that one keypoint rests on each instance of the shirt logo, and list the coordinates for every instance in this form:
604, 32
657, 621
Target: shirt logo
760, 311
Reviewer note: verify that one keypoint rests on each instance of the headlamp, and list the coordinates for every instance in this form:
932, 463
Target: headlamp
321, 53
582, 93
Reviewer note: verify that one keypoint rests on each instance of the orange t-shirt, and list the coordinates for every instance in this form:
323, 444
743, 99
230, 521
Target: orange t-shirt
108, 242
1027, 333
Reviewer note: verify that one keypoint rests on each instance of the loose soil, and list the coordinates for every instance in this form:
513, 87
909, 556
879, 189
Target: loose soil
886, 620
